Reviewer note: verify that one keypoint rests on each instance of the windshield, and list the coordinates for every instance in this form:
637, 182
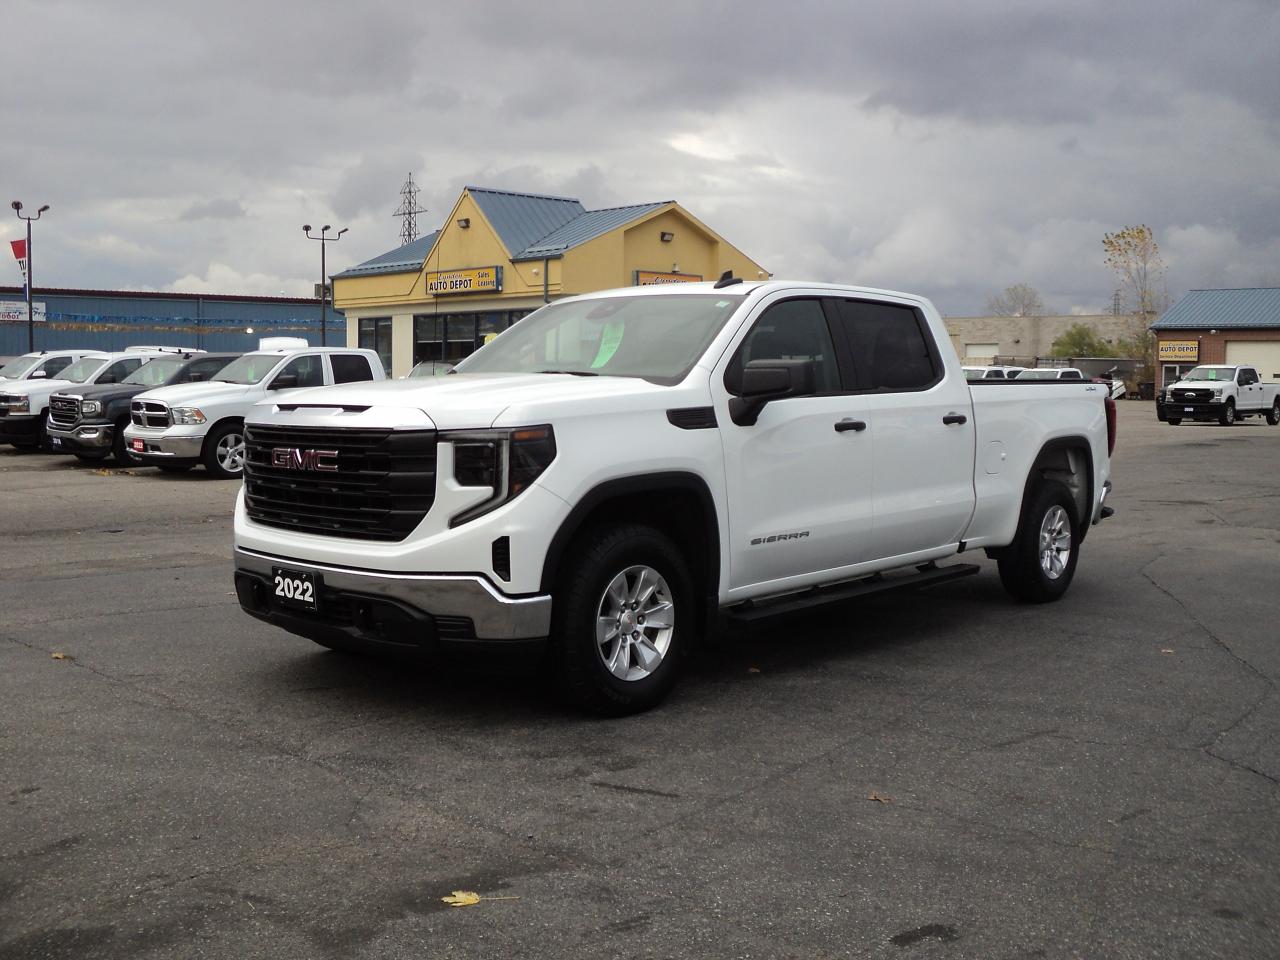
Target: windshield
1038, 375
81, 370
250, 368
15, 369
1211, 373
154, 373
654, 337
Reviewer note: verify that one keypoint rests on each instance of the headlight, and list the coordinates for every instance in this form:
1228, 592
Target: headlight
186, 416
505, 461
19, 404
90, 407
1217, 393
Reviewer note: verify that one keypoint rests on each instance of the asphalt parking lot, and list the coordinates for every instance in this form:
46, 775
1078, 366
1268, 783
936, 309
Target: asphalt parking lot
938, 775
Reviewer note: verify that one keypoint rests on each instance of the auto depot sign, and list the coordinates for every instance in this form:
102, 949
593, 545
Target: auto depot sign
1179, 351
15, 311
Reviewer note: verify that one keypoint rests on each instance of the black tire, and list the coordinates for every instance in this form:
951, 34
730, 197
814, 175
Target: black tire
596, 559
1021, 568
120, 447
1273, 415
1228, 415
212, 456
1174, 421
42, 437
174, 467
91, 457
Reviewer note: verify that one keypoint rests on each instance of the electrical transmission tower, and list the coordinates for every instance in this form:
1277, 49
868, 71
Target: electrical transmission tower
409, 210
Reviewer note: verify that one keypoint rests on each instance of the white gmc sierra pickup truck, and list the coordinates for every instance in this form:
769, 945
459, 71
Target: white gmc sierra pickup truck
619, 473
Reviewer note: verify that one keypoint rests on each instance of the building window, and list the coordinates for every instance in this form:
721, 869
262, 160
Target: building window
375, 334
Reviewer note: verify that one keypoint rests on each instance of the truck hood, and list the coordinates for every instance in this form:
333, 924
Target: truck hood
31, 388
474, 400
194, 394
1199, 384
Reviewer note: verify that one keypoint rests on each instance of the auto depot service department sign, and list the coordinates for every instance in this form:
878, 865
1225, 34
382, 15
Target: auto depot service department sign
15, 311
1175, 351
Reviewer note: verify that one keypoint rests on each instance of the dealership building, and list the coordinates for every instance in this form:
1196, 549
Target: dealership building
500, 255
1220, 326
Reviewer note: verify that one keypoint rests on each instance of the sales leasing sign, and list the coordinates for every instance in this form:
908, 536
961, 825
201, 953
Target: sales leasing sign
470, 280
15, 311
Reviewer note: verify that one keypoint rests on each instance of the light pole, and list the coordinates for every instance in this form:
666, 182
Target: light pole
31, 322
324, 280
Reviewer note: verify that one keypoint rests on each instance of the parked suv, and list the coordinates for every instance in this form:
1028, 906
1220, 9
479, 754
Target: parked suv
90, 422
24, 404
175, 428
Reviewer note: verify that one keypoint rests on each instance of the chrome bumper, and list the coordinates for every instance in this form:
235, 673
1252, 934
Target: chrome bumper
496, 616
85, 435
166, 448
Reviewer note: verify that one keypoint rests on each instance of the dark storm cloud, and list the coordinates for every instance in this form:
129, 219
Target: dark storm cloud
951, 148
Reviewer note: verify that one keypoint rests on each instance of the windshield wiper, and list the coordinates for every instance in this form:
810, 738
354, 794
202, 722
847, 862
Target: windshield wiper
572, 373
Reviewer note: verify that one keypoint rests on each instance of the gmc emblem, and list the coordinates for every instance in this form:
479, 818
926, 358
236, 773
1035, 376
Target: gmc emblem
294, 458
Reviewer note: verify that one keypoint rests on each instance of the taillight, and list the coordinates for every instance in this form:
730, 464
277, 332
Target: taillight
1111, 425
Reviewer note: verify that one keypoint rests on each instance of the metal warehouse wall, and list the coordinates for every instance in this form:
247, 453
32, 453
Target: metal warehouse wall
99, 322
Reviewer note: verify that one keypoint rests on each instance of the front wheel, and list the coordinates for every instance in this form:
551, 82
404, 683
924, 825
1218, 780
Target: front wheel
1040, 563
1273, 415
1228, 415
622, 621
120, 447
1174, 421
224, 452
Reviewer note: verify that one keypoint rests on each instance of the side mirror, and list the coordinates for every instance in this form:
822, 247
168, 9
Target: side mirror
767, 380
38, 375
106, 378
286, 381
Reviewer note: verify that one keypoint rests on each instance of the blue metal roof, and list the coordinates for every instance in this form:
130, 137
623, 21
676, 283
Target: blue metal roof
1223, 309
406, 259
584, 227
522, 218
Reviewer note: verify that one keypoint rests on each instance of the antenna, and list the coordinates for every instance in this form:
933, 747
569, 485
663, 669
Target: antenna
409, 211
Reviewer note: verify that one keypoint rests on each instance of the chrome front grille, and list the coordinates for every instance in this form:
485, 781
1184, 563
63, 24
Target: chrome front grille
64, 411
1192, 396
149, 413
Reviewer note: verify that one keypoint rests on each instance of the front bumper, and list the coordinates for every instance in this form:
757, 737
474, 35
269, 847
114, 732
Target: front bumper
1167, 410
160, 447
83, 438
379, 610
19, 428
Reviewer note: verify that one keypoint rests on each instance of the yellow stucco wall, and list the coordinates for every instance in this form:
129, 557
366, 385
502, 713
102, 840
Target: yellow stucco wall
607, 261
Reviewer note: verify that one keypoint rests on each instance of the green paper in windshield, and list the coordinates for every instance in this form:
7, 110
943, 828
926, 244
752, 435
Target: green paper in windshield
610, 337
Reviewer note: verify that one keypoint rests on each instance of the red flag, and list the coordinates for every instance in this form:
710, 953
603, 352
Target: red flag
20, 254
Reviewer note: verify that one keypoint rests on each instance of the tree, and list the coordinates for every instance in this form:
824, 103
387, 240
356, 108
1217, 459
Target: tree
1019, 300
1079, 341
1134, 256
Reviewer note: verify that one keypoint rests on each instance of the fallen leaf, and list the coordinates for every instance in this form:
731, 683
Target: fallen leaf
104, 473
63, 656
466, 898
879, 799
1166, 650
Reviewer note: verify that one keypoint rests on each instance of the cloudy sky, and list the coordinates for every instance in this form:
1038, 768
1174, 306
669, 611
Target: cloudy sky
950, 149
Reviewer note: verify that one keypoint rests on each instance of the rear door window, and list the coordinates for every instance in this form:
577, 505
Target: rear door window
350, 367
889, 345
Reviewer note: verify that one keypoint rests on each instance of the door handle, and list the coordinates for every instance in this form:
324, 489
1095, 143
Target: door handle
951, 418
855, 425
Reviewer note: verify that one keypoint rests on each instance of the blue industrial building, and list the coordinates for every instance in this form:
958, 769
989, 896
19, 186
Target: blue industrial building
113, 320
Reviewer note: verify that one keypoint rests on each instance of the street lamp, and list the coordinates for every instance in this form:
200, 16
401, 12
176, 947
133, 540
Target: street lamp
31, 323
324, 280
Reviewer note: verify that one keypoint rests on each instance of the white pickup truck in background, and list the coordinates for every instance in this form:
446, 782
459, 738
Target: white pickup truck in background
1224, 393
618, 474
176, 427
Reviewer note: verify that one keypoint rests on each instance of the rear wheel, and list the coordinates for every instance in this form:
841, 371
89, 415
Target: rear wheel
623, 620
1040, 563
1228, 415
224, 452
1273, 415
